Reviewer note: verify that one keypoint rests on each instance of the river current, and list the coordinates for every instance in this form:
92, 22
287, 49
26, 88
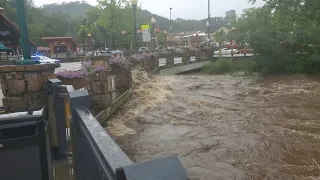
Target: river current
225, 127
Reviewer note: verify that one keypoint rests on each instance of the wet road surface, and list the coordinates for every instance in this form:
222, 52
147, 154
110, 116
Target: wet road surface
226, 127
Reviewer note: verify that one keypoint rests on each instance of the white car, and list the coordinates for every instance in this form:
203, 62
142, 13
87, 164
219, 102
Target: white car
45, 60
226, 51
141, 49
105, 53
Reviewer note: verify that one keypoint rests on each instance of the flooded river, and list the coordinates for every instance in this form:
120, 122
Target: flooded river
225, 127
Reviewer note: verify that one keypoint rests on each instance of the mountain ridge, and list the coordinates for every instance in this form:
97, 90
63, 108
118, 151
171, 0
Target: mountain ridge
79, 9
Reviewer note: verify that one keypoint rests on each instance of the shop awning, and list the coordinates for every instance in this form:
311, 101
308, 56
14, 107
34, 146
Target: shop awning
4, 48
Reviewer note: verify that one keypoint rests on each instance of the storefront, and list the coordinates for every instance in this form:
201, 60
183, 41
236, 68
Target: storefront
10, 35
60, 45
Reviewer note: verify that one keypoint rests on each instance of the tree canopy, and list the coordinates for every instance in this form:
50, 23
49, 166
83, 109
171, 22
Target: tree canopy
110, 22
283, 34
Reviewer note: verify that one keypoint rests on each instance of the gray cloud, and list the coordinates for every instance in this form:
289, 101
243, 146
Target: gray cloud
186, 9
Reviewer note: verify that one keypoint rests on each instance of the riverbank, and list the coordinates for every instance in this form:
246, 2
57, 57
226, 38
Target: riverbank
227, 127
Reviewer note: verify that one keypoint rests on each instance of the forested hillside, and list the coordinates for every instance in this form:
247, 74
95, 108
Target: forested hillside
74, 9
105, 23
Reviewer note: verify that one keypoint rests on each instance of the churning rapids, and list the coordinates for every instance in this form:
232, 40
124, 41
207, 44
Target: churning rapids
225, 127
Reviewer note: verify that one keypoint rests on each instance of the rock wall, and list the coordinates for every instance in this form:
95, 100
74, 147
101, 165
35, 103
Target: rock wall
23, 86
101, 90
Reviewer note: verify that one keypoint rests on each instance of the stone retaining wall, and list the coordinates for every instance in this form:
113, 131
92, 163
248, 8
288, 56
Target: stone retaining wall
23, 86
101, 90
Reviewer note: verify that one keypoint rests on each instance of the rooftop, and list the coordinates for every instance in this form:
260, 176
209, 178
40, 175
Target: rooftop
50, 39
12, 25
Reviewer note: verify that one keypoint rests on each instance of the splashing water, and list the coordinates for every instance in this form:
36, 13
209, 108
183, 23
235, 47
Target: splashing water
148, 92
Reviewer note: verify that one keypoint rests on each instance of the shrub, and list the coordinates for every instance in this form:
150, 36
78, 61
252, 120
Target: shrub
121, 61
219, 66
137, 58
86, 68
285, 63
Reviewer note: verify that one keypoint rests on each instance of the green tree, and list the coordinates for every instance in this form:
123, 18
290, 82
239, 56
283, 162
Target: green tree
115, 18
220, 37
279, 32
37, 31
161, 38
59, 23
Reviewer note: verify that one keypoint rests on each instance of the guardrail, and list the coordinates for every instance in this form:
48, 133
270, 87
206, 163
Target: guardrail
97, 156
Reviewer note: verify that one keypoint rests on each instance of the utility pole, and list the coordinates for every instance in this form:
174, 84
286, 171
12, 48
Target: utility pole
171, 29
134, 8
209, 24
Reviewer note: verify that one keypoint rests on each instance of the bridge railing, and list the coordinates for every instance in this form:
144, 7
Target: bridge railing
97, 156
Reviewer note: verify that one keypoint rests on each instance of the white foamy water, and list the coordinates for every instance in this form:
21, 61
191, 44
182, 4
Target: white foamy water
148, 92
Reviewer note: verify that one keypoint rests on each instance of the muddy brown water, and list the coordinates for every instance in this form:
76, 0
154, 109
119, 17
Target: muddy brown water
228, 127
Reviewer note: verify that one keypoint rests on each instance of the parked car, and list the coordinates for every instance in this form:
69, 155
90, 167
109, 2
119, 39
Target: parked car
141, 49
47, 60
242, 51
160, 48
105, 53
116, 53
226, 51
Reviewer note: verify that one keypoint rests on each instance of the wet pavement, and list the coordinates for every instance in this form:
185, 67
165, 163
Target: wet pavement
226, 127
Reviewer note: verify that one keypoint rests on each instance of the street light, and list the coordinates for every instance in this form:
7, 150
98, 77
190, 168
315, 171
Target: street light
153, 21
208, 26
89, 41
134, 8
208, 22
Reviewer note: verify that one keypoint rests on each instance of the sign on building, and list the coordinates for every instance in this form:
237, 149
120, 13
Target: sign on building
4, 33
146, 35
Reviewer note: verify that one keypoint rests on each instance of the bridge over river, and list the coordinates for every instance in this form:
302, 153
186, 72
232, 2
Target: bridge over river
179, 67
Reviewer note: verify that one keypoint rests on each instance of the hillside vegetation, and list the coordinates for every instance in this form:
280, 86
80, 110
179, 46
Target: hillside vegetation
73, 9
78, 9
105, 23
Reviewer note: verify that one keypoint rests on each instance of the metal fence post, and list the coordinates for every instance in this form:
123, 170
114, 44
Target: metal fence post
53, 87
78, 99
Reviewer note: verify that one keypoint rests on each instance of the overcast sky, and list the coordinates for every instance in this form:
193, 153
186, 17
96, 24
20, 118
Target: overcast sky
186, 9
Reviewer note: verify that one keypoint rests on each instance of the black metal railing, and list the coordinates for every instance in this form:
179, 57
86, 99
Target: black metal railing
97, 156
